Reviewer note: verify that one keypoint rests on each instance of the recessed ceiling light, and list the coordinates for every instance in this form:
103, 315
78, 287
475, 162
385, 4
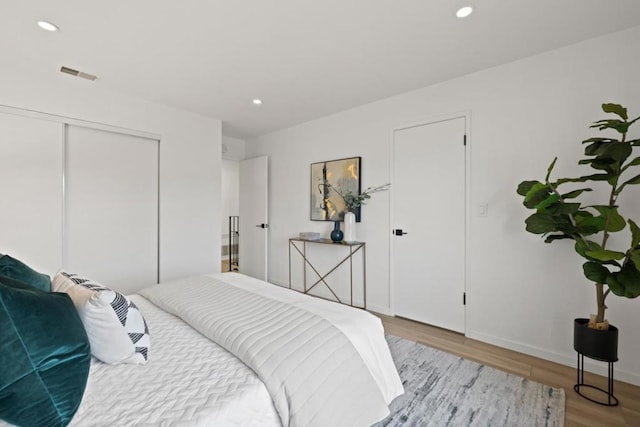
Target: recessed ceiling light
463, 12
257, 101
47, 26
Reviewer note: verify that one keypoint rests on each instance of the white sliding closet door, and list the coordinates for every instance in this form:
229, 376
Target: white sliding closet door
31, 191
111, 207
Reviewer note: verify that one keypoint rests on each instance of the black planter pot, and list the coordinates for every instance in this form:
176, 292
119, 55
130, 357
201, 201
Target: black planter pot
594, 343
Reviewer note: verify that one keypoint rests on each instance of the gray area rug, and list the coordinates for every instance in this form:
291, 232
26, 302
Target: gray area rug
445, 390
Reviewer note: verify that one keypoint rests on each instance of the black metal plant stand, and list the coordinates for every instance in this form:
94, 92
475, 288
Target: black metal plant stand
611, 399
234, 240
601, 345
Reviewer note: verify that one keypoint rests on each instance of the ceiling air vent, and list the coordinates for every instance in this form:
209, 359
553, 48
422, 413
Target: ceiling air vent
77, 73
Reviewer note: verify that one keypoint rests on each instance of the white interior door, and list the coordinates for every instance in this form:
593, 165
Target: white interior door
429, 206
111, 207
253, 224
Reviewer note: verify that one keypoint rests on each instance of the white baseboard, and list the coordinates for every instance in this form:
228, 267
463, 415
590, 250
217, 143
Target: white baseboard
279, 283
376, 308
599, 368
379, 309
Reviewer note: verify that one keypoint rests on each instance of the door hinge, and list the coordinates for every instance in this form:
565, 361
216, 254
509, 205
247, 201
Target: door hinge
464, 140
464, 298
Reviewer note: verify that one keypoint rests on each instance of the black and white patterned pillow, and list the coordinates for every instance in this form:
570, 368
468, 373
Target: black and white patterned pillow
116, 328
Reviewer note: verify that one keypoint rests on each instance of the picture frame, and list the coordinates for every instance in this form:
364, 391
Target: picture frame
330, 179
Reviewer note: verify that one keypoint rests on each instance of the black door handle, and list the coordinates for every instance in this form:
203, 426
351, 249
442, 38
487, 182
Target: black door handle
262, 225
398, 232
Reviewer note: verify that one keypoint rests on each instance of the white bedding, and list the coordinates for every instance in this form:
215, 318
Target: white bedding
188, 381
324, 364
307, 362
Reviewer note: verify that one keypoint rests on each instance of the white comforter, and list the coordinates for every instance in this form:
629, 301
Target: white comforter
324, 364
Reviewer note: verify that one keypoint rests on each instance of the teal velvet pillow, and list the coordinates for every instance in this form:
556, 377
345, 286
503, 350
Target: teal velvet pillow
44, 356
15, 269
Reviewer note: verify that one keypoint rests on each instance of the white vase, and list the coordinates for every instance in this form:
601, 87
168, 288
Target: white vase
349, 227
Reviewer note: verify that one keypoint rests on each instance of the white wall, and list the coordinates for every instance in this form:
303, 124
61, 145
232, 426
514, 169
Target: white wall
522, 294
189, 156
233, 148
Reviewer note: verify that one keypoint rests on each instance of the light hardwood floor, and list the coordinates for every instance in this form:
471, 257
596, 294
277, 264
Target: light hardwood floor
579, 411
224, 267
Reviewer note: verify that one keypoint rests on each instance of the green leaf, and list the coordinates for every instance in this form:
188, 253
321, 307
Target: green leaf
613, 220
605, 255
582, 246
552, 237
597, 177
635, 234
634, 162
589, 224
594, 177
599, 161
595, 272
563, 208
598, 139
632, 181
618, 151
582, 214
536, 194
605, 164
635, 257
525, 186
616, 109
618, 125
592, 226
626, 282
541, 223
552, 199
550, 168
614, 284
575, 193
594, 148
622, 187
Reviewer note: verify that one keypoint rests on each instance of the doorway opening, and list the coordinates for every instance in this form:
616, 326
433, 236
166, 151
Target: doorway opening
230, 249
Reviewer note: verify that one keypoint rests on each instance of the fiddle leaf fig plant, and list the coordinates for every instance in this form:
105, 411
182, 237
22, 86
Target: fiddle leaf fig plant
561, 215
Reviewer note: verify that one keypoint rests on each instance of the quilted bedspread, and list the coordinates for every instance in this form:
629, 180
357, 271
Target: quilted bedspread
188, 381
323, 364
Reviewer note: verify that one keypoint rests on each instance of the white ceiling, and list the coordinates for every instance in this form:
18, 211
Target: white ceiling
305, 59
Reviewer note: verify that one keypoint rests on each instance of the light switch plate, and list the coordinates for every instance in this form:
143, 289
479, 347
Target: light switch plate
483, 209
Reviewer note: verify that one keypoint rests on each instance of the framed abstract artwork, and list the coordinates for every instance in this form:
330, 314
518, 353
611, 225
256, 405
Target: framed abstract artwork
330, 180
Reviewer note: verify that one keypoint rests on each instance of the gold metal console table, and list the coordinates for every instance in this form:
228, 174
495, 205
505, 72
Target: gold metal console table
300, 245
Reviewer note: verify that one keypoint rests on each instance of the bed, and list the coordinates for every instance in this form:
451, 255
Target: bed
230, 350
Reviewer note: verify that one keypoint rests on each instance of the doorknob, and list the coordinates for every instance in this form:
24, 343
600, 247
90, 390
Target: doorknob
262, 225
398, 232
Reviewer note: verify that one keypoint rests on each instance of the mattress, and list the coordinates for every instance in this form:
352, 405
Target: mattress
188, 381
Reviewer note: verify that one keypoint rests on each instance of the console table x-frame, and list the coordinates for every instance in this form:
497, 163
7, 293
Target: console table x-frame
300, 245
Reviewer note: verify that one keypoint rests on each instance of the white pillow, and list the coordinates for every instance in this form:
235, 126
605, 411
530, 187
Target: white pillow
117, 331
